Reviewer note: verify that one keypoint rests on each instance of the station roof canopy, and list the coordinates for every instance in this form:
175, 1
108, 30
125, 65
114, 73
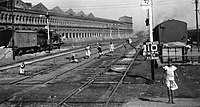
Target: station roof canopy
70, 12
20, 6
57, 10
81, 13
40, 7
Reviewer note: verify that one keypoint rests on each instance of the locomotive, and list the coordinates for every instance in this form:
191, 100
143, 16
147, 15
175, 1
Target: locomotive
172, 36
26, 41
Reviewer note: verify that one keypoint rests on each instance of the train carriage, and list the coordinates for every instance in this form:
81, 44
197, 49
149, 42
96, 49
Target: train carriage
171, 31
172, 37
26, 41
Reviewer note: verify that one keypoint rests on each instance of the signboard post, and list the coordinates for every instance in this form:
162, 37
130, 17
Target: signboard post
147, 5
152, 50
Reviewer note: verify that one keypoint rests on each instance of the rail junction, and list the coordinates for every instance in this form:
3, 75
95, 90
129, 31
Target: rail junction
108, 72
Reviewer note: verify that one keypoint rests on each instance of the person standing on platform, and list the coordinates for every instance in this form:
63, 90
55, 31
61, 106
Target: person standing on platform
111, 48
88, 52
169, 76
22, 67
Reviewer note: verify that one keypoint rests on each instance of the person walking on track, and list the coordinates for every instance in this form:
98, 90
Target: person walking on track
169, 76
111, 48
99, 50
87, 51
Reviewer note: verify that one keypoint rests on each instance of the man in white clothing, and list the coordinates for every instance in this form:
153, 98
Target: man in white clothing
111, 48
169, 76
87, 51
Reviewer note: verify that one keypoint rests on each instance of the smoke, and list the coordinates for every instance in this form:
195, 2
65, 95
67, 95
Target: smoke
183, 12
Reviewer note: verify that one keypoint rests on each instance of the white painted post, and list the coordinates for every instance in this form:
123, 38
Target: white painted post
151, 20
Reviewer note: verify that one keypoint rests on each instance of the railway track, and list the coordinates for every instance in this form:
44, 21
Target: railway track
43, 58
45, 81
101, 74
32, 86
47, 69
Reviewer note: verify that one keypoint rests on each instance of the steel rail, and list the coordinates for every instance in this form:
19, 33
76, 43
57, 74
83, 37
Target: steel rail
43, 58
91, 80
44, 70
121, 80
44, 82
41, 83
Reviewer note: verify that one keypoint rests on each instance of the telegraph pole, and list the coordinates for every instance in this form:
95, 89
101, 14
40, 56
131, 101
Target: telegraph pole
48, 33
197, 25
118, 31
13, 42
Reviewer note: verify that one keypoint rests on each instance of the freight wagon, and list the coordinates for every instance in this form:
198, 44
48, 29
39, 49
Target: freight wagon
26, 41
172, 37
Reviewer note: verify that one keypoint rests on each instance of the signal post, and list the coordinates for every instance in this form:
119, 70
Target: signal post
147, 5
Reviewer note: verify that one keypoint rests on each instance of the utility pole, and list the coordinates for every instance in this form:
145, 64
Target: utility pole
13, 42
118, 31
151, 36
197, 25
48, 33
110, 32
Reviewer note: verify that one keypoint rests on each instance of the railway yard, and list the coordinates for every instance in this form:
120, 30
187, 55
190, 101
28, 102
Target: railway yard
52, 58
119, 80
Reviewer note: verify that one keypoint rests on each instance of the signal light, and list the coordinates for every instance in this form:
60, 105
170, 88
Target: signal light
147, 21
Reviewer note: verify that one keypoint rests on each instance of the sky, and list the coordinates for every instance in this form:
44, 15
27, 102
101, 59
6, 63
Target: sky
163, 10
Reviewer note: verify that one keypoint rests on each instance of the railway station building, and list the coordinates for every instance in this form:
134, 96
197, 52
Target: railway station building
73, 26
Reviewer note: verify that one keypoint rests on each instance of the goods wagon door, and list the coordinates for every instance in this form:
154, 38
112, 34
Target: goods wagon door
23, 39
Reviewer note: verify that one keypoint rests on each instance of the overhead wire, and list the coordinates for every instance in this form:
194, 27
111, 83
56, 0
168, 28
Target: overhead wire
125, 5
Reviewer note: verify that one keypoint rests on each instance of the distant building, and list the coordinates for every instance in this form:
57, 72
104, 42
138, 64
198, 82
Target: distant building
71, 25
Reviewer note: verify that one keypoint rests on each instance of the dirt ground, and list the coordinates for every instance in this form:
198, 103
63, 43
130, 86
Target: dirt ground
155, 95
141, 92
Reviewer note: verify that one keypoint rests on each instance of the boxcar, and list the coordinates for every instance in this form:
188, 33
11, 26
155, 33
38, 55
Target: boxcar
24, 40
171, 31
172, 37
29, 41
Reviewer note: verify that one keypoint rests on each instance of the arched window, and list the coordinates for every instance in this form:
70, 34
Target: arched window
10, 17
16, 28
2, 16
2, 28
6, 17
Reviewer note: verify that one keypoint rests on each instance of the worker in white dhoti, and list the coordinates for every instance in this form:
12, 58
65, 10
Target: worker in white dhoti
87, 51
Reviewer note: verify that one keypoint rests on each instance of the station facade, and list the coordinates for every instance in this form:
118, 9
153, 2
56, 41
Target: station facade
72, 26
